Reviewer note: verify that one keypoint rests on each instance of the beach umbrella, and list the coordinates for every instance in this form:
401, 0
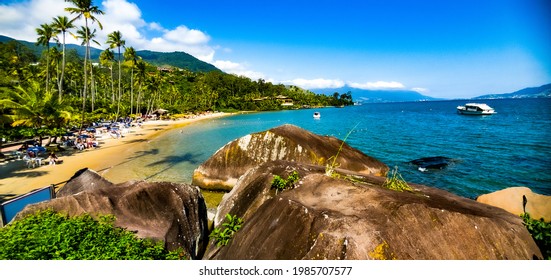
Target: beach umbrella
83, 136
36, 150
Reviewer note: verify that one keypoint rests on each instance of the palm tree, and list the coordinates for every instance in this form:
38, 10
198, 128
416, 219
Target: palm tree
106, 58
141, 75
86, 9
86, 36
130, 55
45, 33
62, 24
115, 40
33, 108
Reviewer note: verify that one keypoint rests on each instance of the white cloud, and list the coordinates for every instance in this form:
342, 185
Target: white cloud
238, 69
186, 36
377, 85
316, 83
420, 89
20, 19
156, 26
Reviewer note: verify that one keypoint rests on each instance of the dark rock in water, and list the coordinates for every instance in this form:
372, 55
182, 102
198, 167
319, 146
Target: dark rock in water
287, 142
170, 212
356, 219
432, 162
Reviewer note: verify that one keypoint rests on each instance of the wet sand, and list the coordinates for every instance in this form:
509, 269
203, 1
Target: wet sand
16, 178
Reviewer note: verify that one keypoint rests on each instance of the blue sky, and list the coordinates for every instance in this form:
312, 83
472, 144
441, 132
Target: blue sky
448, 49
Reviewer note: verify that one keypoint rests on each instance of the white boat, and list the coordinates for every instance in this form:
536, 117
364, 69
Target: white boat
475, 109
317, 115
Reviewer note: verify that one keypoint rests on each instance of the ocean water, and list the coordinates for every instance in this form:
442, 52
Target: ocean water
510, 148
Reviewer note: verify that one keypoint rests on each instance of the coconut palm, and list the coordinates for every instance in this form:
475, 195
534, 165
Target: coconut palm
87, 36
106, 58
45, 34
62, 24
35, 108
130, 55
86, 9
141, 75
115, 40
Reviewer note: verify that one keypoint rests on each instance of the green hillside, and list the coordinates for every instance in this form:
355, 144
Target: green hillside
175, 59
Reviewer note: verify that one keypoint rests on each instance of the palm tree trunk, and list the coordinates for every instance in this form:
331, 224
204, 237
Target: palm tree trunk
48, 67
112, 84
119, 97
60, 83
132, 90
92, 84
85, 73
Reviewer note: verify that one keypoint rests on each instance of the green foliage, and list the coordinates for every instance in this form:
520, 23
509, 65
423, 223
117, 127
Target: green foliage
103, 92
395, 182
281, 184
223, 234
48, 235
541, 233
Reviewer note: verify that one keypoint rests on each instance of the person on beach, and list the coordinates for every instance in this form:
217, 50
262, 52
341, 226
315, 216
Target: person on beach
52, 158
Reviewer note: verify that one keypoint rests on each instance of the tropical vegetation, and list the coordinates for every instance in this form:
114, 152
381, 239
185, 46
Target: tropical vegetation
118, 84
541, 233
47, 235
223, 234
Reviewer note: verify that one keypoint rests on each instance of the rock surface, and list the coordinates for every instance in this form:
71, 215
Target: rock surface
356, 218
171, 212
510, 199
287, 142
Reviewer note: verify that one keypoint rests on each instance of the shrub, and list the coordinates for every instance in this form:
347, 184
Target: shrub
395, 182
541, 233
48, 235
281, 184
223, 234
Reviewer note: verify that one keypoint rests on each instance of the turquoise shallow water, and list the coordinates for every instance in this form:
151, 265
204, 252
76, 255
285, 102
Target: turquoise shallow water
510, 148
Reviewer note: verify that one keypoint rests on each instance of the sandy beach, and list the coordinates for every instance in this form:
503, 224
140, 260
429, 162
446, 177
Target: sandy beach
16, 178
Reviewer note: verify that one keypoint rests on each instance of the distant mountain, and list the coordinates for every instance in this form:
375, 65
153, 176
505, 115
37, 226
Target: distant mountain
532, 92
175, 59
377, 96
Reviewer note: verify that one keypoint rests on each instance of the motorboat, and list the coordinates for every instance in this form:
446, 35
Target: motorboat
475, 109
317, 115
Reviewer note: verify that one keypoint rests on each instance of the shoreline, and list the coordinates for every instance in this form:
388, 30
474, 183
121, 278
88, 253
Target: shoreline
17, 179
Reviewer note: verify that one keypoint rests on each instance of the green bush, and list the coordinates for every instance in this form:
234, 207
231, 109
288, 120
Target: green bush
222, 235
541, 233
281, 184
48, 235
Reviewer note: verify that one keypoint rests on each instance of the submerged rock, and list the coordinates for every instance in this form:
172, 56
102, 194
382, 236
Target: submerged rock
351, 216
511, 199
425, 163
287, 142
170, 212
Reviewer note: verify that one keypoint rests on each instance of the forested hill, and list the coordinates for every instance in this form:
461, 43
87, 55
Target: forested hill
532, 92
175, 59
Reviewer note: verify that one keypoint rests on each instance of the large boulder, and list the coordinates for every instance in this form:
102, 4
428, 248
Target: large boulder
287, 142
82, 180
352, 216
170, 212
518, 200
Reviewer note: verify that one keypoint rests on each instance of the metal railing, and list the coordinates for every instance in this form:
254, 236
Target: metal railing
10, 208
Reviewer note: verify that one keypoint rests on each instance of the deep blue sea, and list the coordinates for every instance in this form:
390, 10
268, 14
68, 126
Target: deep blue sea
510, 148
